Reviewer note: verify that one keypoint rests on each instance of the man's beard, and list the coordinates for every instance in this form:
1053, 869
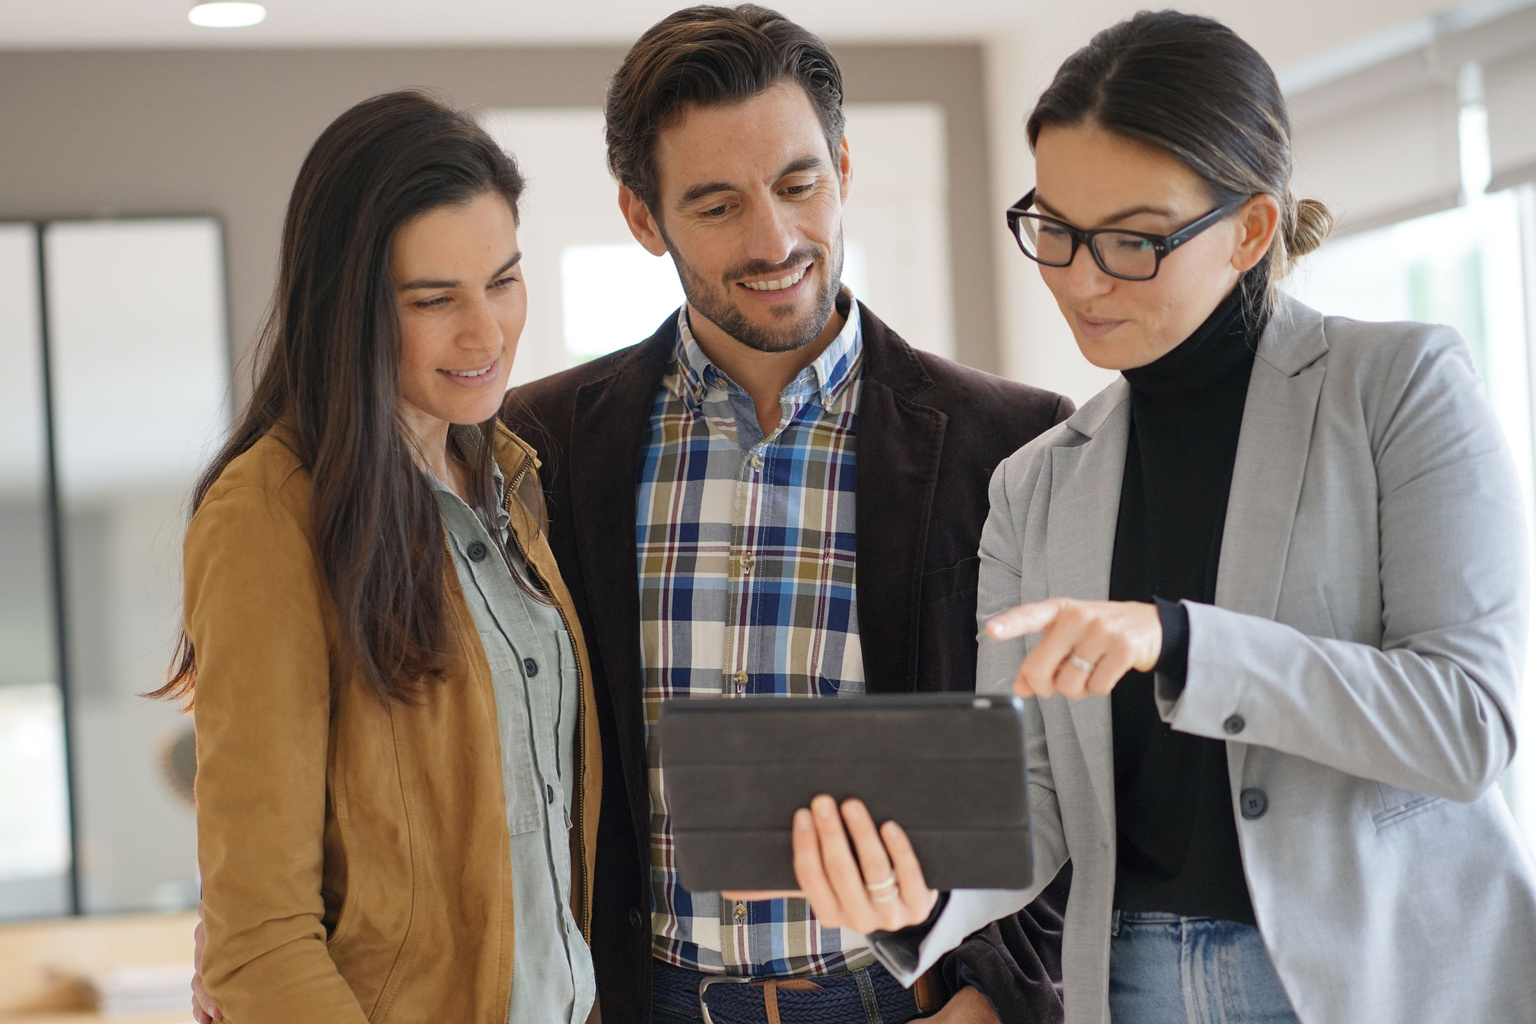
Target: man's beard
714, 302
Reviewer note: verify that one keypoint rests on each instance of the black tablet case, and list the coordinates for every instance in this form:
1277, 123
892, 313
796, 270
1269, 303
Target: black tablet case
949, 768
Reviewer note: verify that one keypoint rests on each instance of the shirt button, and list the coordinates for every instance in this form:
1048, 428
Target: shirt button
1234, 725
740, 679
476, 551
549, 793
1254, 803
747, 562
741, 911
757, 462
530, 667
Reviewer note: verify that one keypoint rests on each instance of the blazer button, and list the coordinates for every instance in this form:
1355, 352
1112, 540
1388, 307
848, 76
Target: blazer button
1234, 725
531, 667
1254, 803
476, 551
549, 793
636, 918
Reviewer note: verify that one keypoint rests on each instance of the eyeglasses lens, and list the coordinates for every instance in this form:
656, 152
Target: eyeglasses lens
1046, 241
1126, 255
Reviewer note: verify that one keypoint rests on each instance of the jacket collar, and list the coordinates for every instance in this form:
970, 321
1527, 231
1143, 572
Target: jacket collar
1294, 338
890, 361
512, 454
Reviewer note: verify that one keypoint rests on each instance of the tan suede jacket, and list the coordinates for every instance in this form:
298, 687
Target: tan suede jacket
355, 858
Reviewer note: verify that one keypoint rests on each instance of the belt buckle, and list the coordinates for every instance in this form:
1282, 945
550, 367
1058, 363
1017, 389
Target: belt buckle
717, 979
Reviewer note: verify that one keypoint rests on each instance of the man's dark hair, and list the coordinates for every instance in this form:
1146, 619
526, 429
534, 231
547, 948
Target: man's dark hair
709, 56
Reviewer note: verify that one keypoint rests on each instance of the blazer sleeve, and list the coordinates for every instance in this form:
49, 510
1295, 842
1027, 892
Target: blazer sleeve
1016, 961
1432, 708
999, 589
262, 706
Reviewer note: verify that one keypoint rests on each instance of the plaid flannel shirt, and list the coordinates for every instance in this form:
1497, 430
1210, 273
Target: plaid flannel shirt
746, 558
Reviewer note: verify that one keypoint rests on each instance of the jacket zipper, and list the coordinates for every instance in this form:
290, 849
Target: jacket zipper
581, 705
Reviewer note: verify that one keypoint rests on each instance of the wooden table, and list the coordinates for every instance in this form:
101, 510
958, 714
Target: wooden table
43, 963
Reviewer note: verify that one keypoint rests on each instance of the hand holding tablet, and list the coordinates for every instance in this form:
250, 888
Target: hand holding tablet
882, 890
750, 784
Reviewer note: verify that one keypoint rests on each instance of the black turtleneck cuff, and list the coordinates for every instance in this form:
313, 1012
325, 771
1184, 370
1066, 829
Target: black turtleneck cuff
1173, 660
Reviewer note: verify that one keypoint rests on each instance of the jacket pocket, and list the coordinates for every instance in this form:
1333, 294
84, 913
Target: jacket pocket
1401, 804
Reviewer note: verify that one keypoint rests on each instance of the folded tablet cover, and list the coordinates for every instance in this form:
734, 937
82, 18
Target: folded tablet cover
949, 768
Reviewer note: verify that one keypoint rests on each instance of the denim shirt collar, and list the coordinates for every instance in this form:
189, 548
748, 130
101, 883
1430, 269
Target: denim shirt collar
467, 438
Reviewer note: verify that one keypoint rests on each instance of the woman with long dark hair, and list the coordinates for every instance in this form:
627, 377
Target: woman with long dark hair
398, 764
1265, 595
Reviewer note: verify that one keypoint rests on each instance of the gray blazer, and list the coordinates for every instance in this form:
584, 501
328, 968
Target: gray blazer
1361, 661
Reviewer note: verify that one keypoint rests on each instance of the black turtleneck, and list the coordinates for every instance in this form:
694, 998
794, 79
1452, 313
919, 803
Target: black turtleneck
1178, 850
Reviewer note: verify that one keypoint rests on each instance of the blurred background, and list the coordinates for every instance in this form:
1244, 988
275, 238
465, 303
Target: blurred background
144, 166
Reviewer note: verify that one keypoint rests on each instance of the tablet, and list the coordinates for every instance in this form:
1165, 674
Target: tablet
949, 768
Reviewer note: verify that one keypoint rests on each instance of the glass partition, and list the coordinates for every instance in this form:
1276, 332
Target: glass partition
34, 799
138, 345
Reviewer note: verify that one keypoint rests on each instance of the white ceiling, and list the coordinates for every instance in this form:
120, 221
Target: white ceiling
1285, 30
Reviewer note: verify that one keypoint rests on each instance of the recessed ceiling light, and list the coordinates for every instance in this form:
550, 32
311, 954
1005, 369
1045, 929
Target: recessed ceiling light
226, 14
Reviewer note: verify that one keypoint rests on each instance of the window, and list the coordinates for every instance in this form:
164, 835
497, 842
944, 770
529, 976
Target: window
612, 296
109, 407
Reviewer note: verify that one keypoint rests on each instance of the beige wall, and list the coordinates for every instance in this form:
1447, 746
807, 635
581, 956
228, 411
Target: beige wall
223, 133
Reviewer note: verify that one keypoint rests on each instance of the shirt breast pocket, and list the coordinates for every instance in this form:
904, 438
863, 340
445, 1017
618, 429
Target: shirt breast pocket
525, 811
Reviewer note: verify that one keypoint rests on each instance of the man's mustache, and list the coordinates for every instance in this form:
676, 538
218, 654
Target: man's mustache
757, 268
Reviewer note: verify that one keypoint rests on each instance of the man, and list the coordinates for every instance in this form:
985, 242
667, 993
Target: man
774, 494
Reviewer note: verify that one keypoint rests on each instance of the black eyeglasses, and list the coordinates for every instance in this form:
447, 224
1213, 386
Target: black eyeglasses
1128, 255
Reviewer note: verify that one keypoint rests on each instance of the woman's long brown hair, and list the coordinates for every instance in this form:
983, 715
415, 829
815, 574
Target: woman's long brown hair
329, 369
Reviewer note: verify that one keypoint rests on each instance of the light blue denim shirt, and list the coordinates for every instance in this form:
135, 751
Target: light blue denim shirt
533, 673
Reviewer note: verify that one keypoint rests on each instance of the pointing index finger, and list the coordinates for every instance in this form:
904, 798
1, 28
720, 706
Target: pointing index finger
1023, 620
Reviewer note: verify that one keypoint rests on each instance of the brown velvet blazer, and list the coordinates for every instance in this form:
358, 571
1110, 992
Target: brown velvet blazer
355, 857
930, 433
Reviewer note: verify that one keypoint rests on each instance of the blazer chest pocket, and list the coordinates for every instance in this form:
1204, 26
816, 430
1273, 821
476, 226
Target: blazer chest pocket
1401, 804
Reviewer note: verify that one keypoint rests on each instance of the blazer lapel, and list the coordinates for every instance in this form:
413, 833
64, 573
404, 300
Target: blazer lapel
1080, 544
608, 427
1271, 459
895, 471
1267, 474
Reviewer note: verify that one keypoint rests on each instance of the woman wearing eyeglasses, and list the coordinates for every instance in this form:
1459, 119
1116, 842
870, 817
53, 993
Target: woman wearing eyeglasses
1266, 594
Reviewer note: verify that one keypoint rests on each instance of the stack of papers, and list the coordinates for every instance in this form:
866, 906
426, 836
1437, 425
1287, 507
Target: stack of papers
137, 989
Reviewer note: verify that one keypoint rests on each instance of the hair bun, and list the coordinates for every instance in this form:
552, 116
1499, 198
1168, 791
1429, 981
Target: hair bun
1310, 230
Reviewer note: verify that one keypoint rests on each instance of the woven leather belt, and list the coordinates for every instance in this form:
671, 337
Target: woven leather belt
859, 996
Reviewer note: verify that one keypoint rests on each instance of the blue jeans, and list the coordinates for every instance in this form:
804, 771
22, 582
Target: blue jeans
1166, 969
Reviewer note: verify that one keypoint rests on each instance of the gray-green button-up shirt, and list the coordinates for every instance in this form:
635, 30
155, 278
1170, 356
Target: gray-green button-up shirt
533, 673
